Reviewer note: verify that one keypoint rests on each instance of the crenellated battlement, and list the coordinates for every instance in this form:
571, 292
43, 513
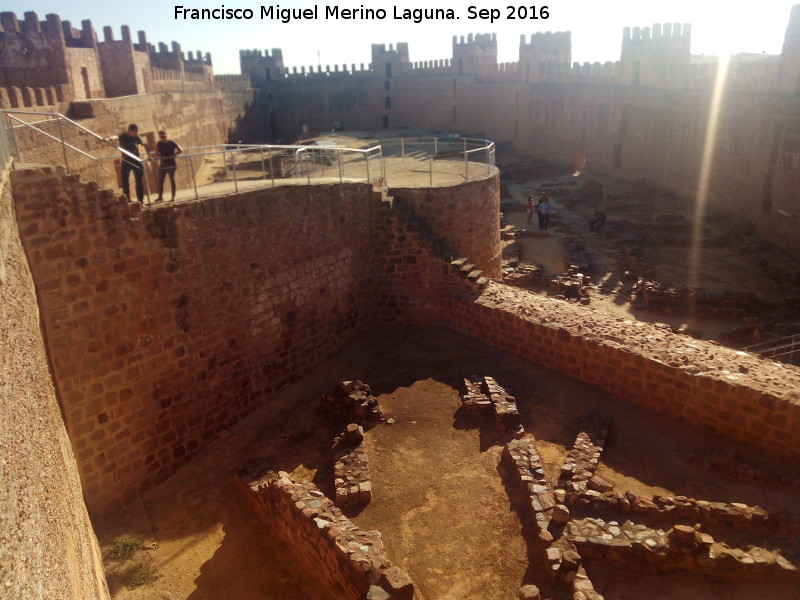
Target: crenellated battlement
38, 55
659, 31
476, 40
277, 54
380, 52
547, 41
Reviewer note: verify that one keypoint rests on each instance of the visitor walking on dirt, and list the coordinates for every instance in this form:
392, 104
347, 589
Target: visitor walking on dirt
543, 211
166, 150
530, 210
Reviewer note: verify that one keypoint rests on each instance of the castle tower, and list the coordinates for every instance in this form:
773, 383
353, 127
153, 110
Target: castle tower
124, 64
261, 66
545, 56
654, 58
34, 52
386, 63
789, 74
475, 56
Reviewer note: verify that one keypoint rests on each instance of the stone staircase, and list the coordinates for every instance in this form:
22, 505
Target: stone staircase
459, 265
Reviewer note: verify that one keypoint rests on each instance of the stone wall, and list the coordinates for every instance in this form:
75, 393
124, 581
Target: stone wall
466, 217
85, 73
47, 546
349, 561
167, 325
740, 396
656, 132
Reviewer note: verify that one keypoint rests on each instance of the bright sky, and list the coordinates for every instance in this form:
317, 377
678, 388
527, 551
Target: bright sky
718, 27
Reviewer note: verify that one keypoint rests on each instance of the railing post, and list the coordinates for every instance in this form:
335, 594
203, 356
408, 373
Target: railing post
435, 146
233, 170
263, 167
271, 168
402, 147
146, 177
194, 180
63, 146
339, 158
430, 170
10, 129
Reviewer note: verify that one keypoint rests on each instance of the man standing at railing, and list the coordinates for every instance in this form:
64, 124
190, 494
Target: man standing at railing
129, 141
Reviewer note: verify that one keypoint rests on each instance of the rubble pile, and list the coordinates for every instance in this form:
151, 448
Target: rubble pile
572, 285
522, 274
350, 467
352, 402
655, 297
486, 394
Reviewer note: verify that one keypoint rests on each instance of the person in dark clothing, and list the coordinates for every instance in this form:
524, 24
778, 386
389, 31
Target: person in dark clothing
598, 221
543, 210
129, 141
166, 150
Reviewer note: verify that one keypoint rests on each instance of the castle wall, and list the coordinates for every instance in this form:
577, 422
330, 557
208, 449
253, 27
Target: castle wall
318, 101
84, 70
119, 68
47, 546
740, 396
466, 217
167, 325
33, 52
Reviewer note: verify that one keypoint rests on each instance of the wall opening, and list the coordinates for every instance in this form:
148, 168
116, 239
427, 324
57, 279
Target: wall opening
86, 87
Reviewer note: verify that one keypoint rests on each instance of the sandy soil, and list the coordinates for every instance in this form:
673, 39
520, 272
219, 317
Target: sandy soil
729, 260
439, 492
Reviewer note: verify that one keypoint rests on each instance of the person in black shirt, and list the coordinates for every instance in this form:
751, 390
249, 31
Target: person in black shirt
166, 150
129, 141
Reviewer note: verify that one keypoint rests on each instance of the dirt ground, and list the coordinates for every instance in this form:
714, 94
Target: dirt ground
439, 492
730, 260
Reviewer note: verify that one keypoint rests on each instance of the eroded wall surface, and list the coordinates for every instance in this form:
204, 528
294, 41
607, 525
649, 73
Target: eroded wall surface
47, 546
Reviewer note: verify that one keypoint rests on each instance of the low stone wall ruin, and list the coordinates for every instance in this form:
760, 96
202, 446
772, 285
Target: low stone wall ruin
349, 561
746, 398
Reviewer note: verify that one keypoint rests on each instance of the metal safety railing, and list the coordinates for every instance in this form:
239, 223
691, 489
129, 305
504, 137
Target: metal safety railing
785, 349
6, 150
213, 170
